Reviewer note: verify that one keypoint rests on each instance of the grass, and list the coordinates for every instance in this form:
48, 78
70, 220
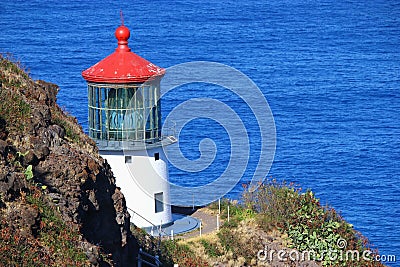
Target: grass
170, 251
56, 243
14, 111
12, 73
69, 131
182, 254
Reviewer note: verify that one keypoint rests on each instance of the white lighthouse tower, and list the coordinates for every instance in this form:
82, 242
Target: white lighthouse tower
125, 122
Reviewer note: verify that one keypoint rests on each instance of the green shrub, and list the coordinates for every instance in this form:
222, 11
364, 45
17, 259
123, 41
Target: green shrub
237, 212
229, 240
28, 172
308, 225
211, 248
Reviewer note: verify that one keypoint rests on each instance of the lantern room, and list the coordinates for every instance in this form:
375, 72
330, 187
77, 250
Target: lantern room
124, 112
125, 122
123, 97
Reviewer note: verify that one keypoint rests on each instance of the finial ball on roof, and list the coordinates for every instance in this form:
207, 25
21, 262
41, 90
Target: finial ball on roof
122, 33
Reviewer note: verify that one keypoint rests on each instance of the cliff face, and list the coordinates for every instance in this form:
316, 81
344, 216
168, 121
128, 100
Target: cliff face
48, 163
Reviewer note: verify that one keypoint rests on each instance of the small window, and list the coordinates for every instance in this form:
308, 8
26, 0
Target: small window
159, 202
128, 159
157, 156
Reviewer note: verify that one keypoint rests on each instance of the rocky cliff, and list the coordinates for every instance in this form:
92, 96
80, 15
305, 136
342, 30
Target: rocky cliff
58, 197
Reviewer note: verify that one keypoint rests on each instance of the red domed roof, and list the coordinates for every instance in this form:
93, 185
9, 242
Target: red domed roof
122, 66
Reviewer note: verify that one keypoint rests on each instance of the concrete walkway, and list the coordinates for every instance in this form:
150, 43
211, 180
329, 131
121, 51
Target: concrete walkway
208, 223
181, 224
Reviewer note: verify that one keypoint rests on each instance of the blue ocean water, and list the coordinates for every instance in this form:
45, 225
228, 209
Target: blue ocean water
330, 71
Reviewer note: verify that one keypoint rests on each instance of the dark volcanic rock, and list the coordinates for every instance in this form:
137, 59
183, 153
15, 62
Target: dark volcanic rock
41, 151
76, 180
3, 131
3, 145
30, 158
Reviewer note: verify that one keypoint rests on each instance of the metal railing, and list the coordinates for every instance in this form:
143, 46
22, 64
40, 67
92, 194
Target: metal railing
169, 129
153, 225
148, 259
144, 257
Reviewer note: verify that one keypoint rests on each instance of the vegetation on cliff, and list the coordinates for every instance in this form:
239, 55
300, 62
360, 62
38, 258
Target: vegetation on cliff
59, 205
308, 231
276, 224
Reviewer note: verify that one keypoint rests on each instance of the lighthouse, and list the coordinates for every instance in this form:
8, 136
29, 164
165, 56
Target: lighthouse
125, 122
